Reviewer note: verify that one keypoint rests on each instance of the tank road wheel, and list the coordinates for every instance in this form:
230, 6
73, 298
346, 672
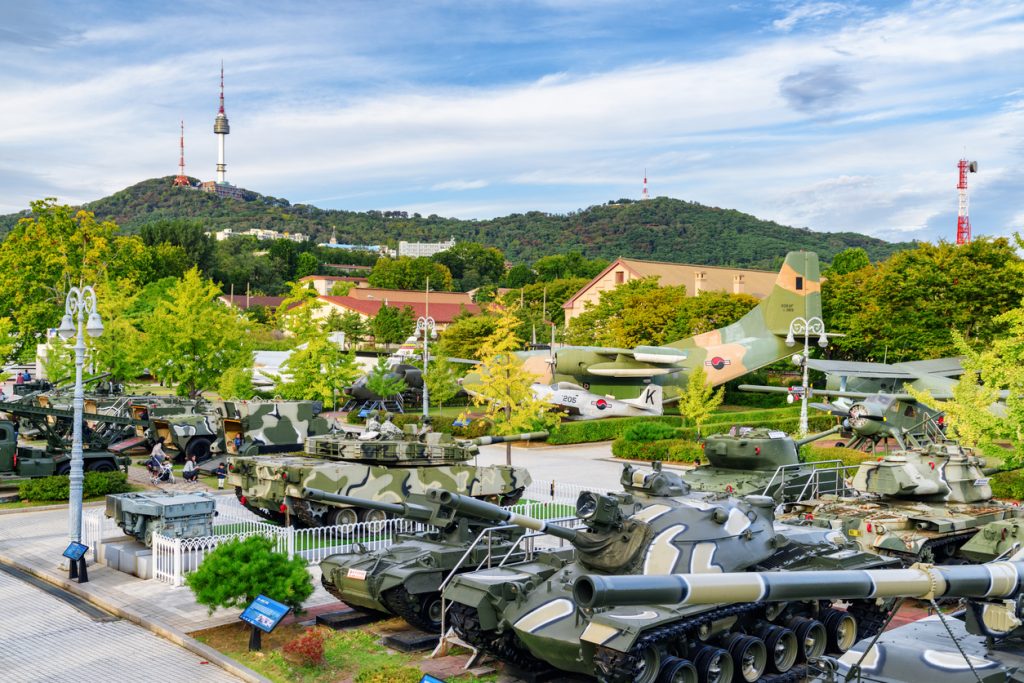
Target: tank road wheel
783, 648
749, 657
713, 664
64, 468
647, 665
374, 516
340, 516
421, 610
102, 466
810, 633
676, 670
199, 447
841, 628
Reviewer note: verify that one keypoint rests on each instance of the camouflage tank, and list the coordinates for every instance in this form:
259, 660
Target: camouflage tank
761, 461
528, 616
405, 578
980, 644
375, 469
917, 504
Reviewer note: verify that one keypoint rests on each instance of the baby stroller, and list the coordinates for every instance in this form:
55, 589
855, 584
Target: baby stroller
165, 475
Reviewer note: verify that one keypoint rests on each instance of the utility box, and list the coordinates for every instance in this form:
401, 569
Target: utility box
178, 515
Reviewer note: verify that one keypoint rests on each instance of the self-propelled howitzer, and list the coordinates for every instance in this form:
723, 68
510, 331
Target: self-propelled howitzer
371, 469
527, 615
405, 578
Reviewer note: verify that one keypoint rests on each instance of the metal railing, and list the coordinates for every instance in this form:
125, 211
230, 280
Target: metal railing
826, 477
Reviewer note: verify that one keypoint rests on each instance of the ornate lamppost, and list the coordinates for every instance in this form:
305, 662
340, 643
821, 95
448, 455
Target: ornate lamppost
426, 327
806, 327
80, 318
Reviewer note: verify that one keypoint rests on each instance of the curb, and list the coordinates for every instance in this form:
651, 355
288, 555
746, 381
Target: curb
168, 633
46, 508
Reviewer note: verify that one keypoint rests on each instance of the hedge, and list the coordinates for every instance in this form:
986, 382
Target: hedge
1009, 484
666, 450
59, 487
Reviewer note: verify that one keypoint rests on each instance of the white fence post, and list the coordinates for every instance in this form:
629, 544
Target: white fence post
179, 578
290, 531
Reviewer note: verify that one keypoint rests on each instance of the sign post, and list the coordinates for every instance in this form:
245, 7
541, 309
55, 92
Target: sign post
263, 614
75, 552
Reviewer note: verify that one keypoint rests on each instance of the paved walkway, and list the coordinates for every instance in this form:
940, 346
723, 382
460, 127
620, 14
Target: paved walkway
43, 639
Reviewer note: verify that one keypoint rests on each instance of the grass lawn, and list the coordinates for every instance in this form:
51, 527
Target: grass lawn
354, 655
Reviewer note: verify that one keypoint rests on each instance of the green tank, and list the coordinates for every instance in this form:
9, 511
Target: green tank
405, 578
919, 504
528, 616
373, 468
761, 461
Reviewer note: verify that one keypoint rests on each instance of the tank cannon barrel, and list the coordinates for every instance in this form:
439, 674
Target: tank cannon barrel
814, 437
527, 436
407, 510
494, 513
993, 580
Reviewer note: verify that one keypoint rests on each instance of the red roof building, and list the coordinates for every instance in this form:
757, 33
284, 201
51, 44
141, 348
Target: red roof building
442, 312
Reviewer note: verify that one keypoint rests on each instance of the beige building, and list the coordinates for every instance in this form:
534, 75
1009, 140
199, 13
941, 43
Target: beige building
696, 279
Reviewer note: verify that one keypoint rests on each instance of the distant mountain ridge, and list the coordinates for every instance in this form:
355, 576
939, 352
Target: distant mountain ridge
661, 229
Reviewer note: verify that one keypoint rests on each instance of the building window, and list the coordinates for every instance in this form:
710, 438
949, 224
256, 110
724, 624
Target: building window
799, 283
620, 277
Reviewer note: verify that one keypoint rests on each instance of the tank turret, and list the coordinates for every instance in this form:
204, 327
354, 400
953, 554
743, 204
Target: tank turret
374, 468
527, 614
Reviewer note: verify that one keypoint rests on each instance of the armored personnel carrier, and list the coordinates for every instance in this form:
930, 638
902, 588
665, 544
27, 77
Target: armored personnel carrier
920, 504
762, 461
374, 469
405, 579
979, 644
527, 614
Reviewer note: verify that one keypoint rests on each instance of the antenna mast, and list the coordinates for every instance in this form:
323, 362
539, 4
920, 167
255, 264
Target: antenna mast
181, 180
645, 195
963, 221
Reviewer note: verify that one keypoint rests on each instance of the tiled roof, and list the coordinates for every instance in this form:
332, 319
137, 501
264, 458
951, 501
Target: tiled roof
441, 312
244, 303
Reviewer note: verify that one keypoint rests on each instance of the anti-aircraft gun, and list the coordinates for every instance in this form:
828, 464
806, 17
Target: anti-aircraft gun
982, 642
405, 578
527, 615
378, 469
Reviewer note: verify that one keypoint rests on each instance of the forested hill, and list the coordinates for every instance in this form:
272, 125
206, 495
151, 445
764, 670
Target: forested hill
660, 229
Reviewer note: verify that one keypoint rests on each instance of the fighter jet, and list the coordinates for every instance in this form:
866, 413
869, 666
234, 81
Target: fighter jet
756, 340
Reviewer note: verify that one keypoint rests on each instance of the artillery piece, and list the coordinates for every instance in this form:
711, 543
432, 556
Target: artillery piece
988, 633
380, 469
405, 579
527, 615
919, 504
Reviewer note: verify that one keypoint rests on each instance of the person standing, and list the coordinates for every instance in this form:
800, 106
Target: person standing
221, 472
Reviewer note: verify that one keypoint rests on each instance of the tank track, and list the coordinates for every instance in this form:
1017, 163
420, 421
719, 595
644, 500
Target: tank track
625, 667
927, 553
409, 607
504, 646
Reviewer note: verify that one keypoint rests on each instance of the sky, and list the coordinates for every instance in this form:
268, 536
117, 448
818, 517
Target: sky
827, 115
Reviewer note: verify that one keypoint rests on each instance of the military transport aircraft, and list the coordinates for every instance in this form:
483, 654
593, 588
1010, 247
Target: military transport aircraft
756, 340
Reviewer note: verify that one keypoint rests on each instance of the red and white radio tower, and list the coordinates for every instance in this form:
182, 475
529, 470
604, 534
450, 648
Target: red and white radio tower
963, 221
181, 180
645, 195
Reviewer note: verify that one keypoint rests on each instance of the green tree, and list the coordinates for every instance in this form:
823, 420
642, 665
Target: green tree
382, 382
119, 349
354, 327
849, 260
700, 399
539, 306
410, 273
189, 235
7, 345
573, 264
236, 383
306, 264
596, 325
466, 335
503, 385
237, 572
193, 338
320, 371
341, 288
442, 380
297, 313
710, 311
472, 264
520, 275
393, 325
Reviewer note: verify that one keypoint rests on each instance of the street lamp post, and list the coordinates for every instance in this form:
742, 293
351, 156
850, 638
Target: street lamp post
80, 317
805, 327
426, 326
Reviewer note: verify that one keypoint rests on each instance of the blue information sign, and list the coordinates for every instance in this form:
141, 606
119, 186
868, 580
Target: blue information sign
75, 551
427, 678
264, 613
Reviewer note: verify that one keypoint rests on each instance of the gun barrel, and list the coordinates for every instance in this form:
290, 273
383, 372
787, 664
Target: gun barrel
400, 509
494, 513
528, 436
993, 580
814, 437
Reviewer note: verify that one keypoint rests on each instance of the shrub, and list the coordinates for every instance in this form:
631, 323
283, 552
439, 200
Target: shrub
648, 431
666, 450
849, 456
308, 648
1008, 484
586, 431
59, 487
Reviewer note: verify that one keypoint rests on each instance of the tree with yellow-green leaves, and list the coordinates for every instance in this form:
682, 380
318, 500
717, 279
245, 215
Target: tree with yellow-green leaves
501, 384
700, 399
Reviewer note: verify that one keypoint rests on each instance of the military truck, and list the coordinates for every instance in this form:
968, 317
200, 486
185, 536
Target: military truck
375, 469
26, 462
262, 427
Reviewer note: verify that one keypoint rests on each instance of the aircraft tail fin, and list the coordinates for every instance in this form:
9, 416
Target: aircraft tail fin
650, 398
797, 293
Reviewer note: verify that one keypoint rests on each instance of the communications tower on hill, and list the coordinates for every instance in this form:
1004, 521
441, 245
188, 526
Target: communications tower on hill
644, 195
963, 221
220, 129
181, 180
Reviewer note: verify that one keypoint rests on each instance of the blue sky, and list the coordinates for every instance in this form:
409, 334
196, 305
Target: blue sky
827, 115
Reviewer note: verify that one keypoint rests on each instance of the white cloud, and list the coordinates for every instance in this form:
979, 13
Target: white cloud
459, 185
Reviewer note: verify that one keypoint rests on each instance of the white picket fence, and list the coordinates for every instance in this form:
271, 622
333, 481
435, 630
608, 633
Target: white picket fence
173, 558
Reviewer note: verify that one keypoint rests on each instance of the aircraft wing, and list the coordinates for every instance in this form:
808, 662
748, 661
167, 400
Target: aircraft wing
942, 367
643, 361
831, 392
